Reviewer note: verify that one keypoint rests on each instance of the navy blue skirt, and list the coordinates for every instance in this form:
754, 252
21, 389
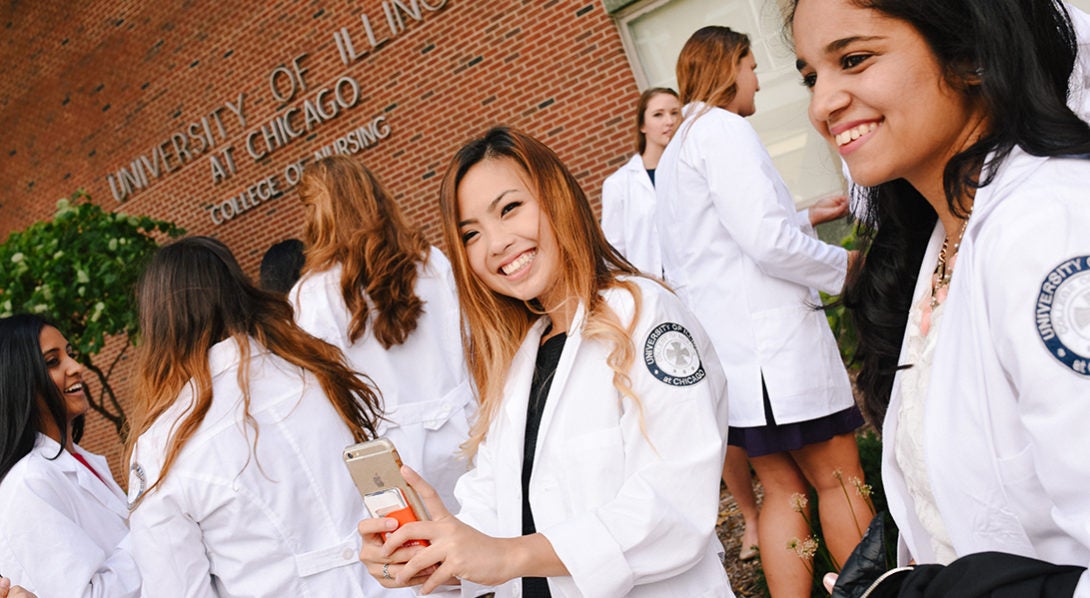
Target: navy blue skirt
777, 438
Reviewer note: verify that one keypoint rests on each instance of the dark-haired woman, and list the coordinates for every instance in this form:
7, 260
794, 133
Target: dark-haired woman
63, 529
972, 301
373, 287
238, 428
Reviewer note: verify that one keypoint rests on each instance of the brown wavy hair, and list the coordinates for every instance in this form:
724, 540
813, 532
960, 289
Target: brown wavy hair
193, 295
352, 220
707, 67
497, 324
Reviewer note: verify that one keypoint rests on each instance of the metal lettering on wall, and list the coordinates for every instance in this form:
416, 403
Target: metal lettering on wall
208, 135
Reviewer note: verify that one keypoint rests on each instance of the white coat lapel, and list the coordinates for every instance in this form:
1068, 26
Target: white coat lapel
636, 166
562, 375
516, 390
102, 490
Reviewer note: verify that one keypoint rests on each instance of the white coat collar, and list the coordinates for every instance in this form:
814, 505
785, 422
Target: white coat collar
1010, 173
521, 373
227, 353
104, 490
635, 166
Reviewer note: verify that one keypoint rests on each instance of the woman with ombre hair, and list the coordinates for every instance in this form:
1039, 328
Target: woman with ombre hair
373, 287
600, 439
749, 265
236, 480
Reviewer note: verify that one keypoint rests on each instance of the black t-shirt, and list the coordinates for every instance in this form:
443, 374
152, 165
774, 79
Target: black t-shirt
548, 356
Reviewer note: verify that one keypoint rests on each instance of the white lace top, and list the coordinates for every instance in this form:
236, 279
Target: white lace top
908, 445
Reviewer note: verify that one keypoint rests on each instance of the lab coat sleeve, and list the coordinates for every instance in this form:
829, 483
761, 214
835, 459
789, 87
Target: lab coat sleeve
742, 183
63, 560
168, 545
614, 202
1033, 238
663, 517
476, 490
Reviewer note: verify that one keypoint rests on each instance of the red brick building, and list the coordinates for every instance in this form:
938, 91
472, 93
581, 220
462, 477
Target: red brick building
200, 112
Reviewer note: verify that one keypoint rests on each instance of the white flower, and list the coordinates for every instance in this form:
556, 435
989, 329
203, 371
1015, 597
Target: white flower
17, 257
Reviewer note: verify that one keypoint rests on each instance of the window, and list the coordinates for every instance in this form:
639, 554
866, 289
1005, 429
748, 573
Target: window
654, 31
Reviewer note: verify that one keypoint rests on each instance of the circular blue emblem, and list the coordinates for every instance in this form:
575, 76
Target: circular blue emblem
671, 356
1062, 313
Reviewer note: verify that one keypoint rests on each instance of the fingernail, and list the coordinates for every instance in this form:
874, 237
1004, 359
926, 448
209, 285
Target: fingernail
391, 524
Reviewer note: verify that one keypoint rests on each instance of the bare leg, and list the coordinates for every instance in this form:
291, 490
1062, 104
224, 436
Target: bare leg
740, 484
844, 513
788, 575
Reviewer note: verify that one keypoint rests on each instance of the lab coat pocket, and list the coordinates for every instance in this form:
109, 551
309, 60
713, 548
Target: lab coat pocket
595, 465
794, 348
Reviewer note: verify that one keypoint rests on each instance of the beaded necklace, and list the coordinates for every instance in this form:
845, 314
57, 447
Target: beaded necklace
944, 270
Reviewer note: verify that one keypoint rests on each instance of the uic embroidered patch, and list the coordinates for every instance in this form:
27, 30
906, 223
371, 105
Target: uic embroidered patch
671, 356
1062, 313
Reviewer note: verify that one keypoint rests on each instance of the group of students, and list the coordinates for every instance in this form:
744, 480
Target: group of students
564, 415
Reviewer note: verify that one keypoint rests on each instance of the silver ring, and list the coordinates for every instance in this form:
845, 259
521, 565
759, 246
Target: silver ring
386, 571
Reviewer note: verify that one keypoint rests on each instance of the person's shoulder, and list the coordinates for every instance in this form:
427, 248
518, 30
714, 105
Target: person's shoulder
1029, 188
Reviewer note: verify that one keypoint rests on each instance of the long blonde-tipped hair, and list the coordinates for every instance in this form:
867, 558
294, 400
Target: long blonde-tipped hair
497, 324
193, 295
352, 220
707, 68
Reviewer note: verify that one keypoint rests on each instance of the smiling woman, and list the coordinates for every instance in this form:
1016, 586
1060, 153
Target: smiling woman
953, 116
600, 438
62, 516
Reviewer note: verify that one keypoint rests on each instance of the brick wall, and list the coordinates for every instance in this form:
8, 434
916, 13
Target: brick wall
90, 87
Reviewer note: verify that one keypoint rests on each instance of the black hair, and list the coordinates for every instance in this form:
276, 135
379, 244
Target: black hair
24, 378
1013, 56
281, 265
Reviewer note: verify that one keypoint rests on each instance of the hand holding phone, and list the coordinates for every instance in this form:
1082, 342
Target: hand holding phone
375, 467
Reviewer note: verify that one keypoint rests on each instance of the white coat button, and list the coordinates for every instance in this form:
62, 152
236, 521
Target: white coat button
347, 554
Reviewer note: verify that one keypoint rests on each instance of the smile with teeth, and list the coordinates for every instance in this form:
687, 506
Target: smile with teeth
78, 386
855, 133
518, 263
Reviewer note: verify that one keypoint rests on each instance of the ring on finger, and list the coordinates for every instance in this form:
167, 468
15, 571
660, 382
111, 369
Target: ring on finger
386, 571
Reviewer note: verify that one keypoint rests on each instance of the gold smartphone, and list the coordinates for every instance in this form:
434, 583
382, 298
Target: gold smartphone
375, 467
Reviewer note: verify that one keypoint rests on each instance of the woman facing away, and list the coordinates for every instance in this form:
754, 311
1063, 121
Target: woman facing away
63, 519
240, 420
747, 265
628, 195
600, 440
374, 288
971, 301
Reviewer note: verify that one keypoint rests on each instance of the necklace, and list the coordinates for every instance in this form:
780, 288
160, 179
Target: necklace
944, 269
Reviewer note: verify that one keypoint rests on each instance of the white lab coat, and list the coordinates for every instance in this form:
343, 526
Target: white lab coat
744, 261
63, 532
628, 216
230, 520
625, 516
1005, 427
425, 387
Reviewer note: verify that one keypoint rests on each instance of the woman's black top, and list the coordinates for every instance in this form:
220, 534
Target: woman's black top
548, 356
